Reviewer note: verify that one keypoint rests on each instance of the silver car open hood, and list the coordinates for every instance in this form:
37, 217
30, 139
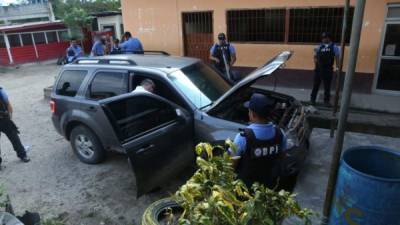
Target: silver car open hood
263, 71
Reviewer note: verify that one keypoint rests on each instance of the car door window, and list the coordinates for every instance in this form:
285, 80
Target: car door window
69, 82
139, 115
108, 84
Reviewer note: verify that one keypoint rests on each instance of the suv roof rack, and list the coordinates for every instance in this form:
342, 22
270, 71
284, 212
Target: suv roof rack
105, 61
142, 52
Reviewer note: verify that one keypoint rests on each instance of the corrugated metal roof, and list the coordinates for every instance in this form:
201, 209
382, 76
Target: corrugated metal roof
30, 26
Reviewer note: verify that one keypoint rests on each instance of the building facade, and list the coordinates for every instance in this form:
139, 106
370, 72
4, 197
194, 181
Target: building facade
110, 21
34, 11
31, 42
260, 29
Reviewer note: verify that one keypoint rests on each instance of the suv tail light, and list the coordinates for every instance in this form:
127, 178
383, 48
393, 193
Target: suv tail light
52, 106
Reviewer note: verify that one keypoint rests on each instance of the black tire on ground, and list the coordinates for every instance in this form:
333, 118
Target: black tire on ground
152, 214
86, 145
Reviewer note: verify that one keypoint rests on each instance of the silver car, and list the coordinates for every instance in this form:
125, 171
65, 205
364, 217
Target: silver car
94, 109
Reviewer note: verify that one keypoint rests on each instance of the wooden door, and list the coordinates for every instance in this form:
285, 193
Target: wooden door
197, 34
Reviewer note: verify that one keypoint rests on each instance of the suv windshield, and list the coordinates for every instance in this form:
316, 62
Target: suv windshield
201, 84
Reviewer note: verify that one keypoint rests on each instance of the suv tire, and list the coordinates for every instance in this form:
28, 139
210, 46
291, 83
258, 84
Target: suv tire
86, 145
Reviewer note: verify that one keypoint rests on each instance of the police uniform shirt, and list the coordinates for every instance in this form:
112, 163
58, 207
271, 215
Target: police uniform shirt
232, 49
262, 132
77, 50
336, 49
131, 45
4, 96
97, 49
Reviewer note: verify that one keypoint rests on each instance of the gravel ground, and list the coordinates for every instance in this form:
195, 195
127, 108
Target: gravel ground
56, 184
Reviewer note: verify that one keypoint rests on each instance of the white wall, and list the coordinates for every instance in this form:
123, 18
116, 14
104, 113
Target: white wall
115, 20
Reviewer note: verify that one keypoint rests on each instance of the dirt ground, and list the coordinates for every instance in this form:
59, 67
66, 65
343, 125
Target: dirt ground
57, 185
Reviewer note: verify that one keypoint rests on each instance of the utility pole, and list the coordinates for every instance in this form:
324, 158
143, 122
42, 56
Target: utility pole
344, 109
339, 72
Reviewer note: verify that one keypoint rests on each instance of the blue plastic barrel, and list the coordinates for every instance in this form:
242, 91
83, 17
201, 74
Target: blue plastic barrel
368, 188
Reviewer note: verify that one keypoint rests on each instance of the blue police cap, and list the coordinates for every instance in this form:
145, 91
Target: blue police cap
260, 104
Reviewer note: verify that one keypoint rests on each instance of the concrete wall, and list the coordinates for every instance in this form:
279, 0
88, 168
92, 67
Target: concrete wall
115, 20
158, 24
23, 12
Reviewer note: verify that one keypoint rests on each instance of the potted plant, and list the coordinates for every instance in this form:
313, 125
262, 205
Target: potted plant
214, 196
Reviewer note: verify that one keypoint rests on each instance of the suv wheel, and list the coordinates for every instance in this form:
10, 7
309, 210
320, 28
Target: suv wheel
86, 145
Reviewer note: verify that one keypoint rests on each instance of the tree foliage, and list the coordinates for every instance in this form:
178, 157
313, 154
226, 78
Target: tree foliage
77, 14
214, 196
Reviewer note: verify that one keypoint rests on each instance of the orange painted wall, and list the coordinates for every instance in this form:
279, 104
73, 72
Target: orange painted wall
158, 24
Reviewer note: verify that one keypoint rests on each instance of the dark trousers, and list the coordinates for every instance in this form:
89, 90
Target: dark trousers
8, 127
324, 76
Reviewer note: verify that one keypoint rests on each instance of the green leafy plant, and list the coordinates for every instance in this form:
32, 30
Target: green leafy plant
214, 195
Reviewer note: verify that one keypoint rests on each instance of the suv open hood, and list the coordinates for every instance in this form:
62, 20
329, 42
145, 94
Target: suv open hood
263, 71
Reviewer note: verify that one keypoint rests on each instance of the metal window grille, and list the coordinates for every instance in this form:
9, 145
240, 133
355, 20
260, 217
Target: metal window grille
39, 38
14, 40
51, 37
261, 25
26, 39
307, 24
2, 42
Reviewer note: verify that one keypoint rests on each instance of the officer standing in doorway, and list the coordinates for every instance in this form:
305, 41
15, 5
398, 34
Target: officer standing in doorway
8, 127
223, 54
324, 58
260, 145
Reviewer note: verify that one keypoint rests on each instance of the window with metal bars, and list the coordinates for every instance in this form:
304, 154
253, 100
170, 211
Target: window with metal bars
260, 25
295, 25
307, 25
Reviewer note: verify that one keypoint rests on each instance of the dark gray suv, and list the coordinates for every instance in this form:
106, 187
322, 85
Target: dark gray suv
94, 109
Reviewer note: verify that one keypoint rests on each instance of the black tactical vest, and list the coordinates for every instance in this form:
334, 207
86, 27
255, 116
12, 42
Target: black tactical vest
218, 51
326, 56
260, 161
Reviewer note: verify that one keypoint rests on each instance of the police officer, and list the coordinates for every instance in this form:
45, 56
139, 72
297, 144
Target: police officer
131, 45
217, 52
73, 51
8, 127
115, 48
260, 145
98, 47
324, 57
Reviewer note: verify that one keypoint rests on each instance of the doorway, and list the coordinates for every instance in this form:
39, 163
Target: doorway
387, 78
197, 34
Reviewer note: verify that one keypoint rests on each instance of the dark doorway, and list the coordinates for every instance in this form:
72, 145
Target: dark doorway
110, 28
197, 34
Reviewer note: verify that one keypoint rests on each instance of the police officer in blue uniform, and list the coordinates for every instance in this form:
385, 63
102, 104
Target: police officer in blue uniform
131, 45
218, 50
8, 127
73, 51
260, 145
324, 57
98, 47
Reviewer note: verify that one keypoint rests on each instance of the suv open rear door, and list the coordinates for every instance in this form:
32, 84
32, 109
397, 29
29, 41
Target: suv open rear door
156, 134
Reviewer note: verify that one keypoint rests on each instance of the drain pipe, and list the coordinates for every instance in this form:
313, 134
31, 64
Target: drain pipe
339, 72
344, 106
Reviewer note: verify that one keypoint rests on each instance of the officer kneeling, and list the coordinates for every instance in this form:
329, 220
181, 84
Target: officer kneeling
260, 145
